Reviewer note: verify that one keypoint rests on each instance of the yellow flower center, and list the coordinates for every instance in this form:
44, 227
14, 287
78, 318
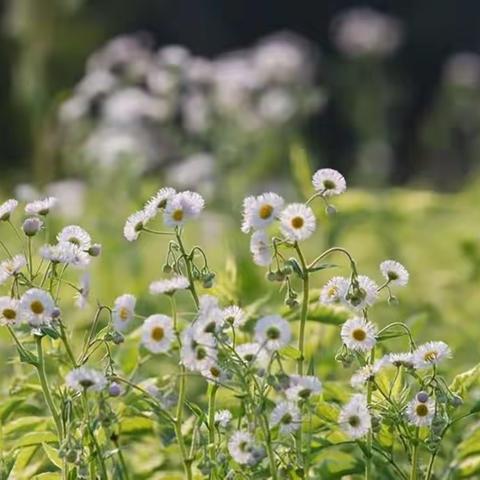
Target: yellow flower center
332, 292
422, 410
177, 215
297, 222
9, 314
37, 307
123, 313
430, 356
359, 335
265, 211
158, 333
215, 372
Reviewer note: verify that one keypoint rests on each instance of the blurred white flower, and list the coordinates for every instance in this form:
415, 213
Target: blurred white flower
273, 332
259, 212
297, 222
355, 419
157, 333
123, 311
394, 272
359, 334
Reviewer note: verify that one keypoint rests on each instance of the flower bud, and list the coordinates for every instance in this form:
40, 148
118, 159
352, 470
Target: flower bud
456, 400
115, 389
167, 268
117, 338
95, 250
271, 277
56, 313
330, 210
422, 397
31, 226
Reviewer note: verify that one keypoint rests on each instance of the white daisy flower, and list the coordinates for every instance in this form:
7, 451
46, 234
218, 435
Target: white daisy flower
252, 353
210, 317
367, 373
169, 286
41, 207
67, 253
403, 359
431, 353
81, 298
123, 311
419, 413
36, 307
272, 331
234, 315
83, 378
365, 296
198, 350
157, 333
303, 387
75, 235
297, 222
261, 249
7, 208
11, 267
222, 418
240, 447
8, 311
329, 182
334, 291
287, 416
359, 334
182, 207
394, 272
159, 200
214, 374
259, 212
135, 224
355, 419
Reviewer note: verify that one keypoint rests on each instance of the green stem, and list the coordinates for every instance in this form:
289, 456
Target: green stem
332, 250
368, 460
212, 391
188, 261
268, 444
46, 389
413, 473
178, 424
301, 343
98, 450
66, 343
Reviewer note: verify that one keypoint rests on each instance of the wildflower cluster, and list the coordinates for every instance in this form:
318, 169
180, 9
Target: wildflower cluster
277, 417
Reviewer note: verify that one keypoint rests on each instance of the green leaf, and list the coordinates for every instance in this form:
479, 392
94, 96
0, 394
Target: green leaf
136, 424
52, 454
464, 381
35, 438
329, 315
290, 352
27, 423
27, 357
48, 476
51, 332
322, 266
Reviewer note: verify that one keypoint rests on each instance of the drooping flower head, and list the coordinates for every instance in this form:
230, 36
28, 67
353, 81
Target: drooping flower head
11, 267
286, 415
334, 291
261, 249
135, 223
303, 387
7, 208
430, 353
75, 235
159, 200
329, 182
169, 286
394, 272
123, 311
355, 419
272, 331
83, 378
41, 207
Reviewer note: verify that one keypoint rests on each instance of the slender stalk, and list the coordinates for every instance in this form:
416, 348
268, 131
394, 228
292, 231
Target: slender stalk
332, 250
413, 472
66, 343
212, 391
181, 400
46, 389
188, 261
98, 450
30, 257
301, 344
368, 460
268, 443
304, 311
